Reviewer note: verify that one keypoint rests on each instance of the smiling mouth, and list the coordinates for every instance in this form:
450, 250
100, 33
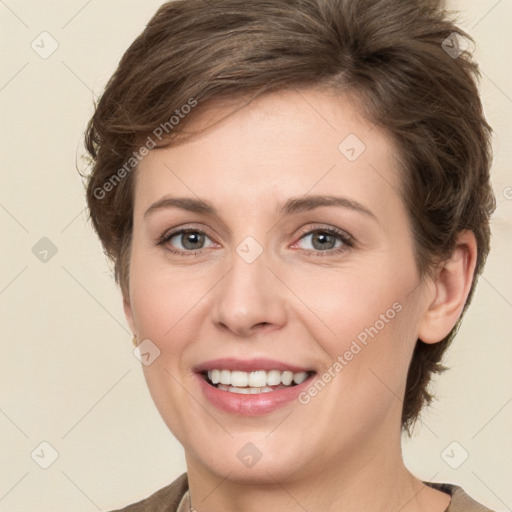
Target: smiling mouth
259, 381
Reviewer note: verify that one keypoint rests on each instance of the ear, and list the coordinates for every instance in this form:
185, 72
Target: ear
128, 313
449, 291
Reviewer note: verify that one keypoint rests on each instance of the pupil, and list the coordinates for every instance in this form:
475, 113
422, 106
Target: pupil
324, 236
193, 237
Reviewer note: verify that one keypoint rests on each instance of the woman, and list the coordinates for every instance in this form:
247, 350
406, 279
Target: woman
296, 198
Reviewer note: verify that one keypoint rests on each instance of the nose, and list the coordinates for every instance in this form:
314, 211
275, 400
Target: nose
249, 299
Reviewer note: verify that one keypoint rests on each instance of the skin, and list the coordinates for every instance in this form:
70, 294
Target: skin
299, 302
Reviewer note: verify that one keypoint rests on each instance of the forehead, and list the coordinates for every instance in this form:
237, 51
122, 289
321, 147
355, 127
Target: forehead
282, 144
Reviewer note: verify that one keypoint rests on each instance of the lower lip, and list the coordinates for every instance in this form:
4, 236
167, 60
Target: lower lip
251, 405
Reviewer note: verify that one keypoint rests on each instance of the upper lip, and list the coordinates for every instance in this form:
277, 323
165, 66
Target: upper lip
248, 365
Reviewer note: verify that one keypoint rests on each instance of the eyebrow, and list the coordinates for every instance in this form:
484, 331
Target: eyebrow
289, 207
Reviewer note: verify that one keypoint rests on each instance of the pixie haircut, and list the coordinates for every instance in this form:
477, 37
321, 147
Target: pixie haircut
402, 60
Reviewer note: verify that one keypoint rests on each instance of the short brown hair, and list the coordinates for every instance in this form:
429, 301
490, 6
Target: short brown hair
393, 54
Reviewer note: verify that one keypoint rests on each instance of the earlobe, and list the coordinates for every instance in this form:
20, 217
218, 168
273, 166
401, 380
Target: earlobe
128, 313
450, 290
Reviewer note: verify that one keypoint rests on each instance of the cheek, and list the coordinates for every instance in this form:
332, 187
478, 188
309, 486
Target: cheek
349, 301
162, 297
366, 321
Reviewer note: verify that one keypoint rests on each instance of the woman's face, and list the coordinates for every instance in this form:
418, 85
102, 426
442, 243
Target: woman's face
272, 275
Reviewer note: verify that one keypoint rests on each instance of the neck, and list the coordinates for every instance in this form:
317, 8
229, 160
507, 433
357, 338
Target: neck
368, 479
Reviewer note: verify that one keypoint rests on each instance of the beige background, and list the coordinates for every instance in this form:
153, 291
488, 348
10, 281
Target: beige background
67, 372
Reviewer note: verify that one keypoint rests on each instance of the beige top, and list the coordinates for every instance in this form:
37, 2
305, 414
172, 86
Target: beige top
175, 498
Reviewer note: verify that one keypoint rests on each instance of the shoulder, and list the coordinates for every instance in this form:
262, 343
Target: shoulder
166, 499
461, 501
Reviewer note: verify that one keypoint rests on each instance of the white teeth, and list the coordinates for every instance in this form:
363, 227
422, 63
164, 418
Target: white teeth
300, 377
257, 380
225, 377
287, 378
240, 379
244, 391
273, 377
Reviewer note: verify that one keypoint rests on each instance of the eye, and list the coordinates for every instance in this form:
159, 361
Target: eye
326, 241
190, 240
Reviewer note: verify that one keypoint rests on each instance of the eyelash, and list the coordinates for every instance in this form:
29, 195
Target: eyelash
347, 240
